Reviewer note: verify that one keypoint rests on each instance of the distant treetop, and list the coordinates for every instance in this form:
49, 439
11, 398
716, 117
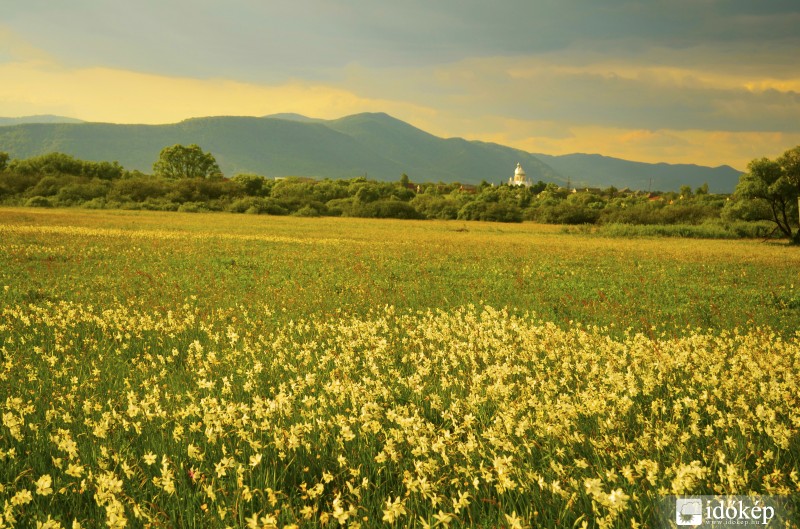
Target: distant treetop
180, 161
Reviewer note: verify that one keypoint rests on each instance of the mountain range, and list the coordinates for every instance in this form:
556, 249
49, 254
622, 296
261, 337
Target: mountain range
374, 145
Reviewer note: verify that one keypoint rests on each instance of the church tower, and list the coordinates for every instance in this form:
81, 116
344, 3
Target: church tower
519, 178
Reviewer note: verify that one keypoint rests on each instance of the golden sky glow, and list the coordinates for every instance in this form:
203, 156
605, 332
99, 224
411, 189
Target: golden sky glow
686, 93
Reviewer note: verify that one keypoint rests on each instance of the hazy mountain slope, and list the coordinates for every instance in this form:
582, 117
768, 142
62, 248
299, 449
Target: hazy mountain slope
425, 157
42, 118
279, 147
272, 147
597, 170
372, 144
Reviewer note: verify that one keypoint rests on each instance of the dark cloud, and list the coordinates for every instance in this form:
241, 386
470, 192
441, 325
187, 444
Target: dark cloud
268, 40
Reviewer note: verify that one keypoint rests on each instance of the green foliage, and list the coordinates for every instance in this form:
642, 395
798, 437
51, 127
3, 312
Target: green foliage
490, 211
80, 192
307, 211
777, 183
389, 209
706, 230
179, 161
252, 184
193, 207
432, 206
62, 164
3, 161
740, 208
138, 189
66, 181
566, 213
39, 202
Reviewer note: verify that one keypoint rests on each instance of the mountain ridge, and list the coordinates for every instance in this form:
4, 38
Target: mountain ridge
373, 144
38, 118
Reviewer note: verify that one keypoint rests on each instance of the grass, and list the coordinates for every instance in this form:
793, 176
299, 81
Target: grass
714, 229
214, 370
323, 266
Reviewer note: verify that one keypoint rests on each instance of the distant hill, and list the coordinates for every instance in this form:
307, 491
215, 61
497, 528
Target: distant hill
43, 118
597, 170
375, 145
291, 116
372, 144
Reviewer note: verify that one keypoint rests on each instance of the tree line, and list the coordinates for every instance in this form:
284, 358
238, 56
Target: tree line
185, 178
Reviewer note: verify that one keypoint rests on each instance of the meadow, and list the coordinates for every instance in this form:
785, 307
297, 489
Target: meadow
217, 370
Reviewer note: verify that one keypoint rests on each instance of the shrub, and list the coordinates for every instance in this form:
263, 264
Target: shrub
490, 211
391, 209
138, 189
78, 192
193, 207
307, 211
566, 213
434, 206
95, 203
39, 202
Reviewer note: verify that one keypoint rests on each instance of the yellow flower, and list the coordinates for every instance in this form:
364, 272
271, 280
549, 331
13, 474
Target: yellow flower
22, 497
44, 485
194, 452
394, 510
513, 520
443, 518
149, 458
49, 524
74, 470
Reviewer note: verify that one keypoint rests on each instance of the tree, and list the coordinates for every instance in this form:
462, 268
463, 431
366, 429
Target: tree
3, 161
180, 161
57, 163
252, 184
777, 183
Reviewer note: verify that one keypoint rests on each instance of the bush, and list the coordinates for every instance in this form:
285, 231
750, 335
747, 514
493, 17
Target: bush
39, 202
138, 189
490, 211
257, 206
243, 204
48, 186
251, 184
342, 207
566, 213
746, 209
706, 230
58, 163
154, 204
433, 206
307, 211
79, 192
95, 203
393, 209
193, 207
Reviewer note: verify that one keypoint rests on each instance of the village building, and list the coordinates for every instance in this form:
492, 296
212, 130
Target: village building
519, 178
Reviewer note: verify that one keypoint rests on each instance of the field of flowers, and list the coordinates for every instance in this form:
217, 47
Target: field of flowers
209, 370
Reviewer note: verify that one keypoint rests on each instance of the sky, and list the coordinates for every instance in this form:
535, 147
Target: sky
710, 82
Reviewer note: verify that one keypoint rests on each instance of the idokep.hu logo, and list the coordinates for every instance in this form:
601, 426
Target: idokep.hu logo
716, 511
688, 511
